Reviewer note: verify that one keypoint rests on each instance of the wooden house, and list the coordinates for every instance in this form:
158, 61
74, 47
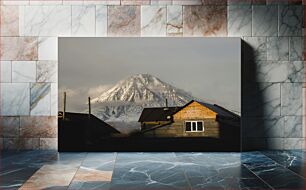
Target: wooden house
195, 119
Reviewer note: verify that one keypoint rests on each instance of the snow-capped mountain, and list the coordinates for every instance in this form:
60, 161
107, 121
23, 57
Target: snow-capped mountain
126, 100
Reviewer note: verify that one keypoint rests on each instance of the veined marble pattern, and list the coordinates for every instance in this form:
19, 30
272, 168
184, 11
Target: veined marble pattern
290, 20
102, 2
296, 49
40, 99
292, 98
9, 20
15, 2
267, 101
265, 19
189, 2
256, 48
278, 48
54, 99
49, 20
161, 2
123, 21
48, 143
239, 21
15, 99
23, 71
293, 127
135, 2
46, 2
38, 126
83, 20
153, 20
47, 48
18, 48
6, 71
9, 126
47, 71
174, 20
101, 20
294, 144
206, 21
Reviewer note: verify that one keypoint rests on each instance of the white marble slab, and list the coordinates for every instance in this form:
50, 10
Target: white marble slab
296, 48
292, 99
278, 48
54, 99
293, 127
47, 48
153, 20
6, 71
83, 20
47, 71
256, 49
40, 104
50, 20
46, 2
101, 20
239, 20
23, 71
15, 99
174, 20
16, 2
265, 20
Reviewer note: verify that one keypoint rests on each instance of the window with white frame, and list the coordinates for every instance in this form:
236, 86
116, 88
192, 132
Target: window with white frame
194, 126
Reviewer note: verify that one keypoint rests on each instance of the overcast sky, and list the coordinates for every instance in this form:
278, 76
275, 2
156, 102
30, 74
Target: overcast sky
208, 68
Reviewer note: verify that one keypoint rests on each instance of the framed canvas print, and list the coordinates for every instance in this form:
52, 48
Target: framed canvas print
149, 94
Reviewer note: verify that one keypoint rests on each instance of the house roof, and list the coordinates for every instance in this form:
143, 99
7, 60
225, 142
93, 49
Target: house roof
160, 113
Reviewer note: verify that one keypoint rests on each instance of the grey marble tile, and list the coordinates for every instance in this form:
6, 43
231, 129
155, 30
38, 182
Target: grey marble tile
40, 99
47, 48
54, 99
153, 20
6, 71
9, 126
23, 71
291, 98
15, 99
255, 49
47, 71
294, 127
290, 20
294, 144
276, 71
48, 143
239, 20
48, 20
278, 48
161, 2
265, 19
174, 20
296, 49
267, 101
101, 20
80, 185
83, 20
184, 2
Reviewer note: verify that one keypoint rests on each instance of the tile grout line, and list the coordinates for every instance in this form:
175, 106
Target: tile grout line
111, 181
184, 173
77, 170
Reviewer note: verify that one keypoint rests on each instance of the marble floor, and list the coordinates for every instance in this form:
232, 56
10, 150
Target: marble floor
161, 171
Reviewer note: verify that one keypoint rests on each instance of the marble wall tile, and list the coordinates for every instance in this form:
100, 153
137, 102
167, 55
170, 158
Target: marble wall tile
38, 126
239, 20
153, 20
46, 2
40, 100
293, 127
101, 20
47, 71
239, 2
161, 2
83, 20
265, 19
256, 127
23, 71
102, 2
6, 71
15, 2
174, 20
15, 99
296, 48
28, 143
47, 48
214, 2
135, 2
48, 143
293, 143
205, 21
73, 2
47, 20
9, 126
278, 71
9, 20
10, 143
188, 2
255, 48
291, 98
18, 48
275, 143
123, 21
290, 20
261, 99
54, 99
278, 48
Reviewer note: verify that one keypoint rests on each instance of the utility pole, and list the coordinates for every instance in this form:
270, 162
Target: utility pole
64, 104
89, 107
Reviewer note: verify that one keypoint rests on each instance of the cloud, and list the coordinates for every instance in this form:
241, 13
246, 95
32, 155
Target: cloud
96, 91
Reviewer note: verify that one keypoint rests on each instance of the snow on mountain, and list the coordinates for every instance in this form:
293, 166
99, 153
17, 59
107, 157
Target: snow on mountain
126, 100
